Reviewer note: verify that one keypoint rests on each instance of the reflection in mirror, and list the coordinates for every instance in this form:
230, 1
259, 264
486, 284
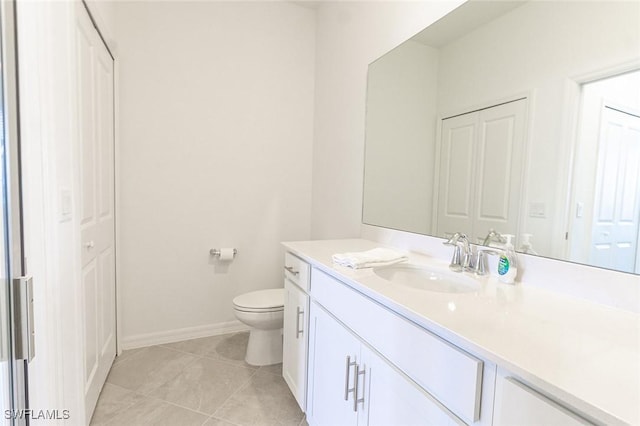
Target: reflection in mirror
516, 117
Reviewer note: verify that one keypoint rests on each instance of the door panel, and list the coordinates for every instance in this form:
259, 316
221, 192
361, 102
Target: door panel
326, 404
89, 283
295, 334
616, 221
494, 176
393, 399
97, 225
481, 169
84, 51
500, 165
108, 303
455, 192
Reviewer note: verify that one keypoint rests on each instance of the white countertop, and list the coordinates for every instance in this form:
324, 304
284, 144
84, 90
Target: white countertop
585, 354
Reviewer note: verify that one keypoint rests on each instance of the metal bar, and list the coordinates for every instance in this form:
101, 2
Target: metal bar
298, 330
347, 389
291, 270
357, 400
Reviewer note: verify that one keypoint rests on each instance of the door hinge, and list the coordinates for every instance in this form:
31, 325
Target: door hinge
24, 318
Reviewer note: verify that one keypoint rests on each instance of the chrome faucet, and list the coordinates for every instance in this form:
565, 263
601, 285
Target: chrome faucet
463, 255
481, 261
493, 235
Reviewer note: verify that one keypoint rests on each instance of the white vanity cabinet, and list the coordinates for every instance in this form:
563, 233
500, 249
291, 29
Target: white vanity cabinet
423, 357
518, 404
350, 384
295, 334
405, 374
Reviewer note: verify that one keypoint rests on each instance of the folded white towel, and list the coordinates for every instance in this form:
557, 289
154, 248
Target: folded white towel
370, 258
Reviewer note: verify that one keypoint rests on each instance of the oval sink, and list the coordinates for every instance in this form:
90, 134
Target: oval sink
423, 278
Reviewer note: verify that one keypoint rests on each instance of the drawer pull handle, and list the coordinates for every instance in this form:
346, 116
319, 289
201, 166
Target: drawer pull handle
299, 331
347, 389
291, 270
356, 374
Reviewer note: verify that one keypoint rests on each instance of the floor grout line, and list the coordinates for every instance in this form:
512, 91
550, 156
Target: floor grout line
179, 406
215, 358
241, 387
211, 356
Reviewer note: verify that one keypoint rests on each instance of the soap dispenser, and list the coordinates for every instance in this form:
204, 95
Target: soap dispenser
508, 265
526, 246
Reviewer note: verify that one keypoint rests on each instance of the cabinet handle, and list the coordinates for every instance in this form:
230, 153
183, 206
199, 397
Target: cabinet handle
298, 330
356, 386
346, 379
291, 270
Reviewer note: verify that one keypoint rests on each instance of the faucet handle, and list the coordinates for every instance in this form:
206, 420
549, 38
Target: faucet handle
456, 260
470, 258
453, 240
481, 261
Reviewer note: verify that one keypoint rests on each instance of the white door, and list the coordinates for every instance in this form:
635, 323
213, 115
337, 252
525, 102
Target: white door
332, 348
295, 338
481, 169
500, 154
616, 213
457, 174
393, 399
96, 143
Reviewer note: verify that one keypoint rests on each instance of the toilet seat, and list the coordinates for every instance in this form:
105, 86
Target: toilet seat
271, 300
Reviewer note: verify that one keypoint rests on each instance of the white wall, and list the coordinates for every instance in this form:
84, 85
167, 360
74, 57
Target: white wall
401, 121
350, 36
216, 127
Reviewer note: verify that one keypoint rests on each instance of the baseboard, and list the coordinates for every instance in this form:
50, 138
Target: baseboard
170, 336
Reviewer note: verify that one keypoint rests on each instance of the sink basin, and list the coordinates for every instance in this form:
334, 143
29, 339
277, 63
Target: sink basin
423, 278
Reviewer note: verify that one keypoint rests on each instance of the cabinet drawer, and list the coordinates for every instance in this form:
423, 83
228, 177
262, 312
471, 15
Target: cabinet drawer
451, 375
517, 404
297, 271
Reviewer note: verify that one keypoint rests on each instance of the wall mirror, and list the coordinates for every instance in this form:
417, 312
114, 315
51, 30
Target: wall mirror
519, 117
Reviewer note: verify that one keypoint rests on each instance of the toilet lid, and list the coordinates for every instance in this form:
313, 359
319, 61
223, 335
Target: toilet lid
262, 299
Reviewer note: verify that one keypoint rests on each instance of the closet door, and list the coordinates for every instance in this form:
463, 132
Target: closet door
481, 164
499, 166
97, 231
457, 174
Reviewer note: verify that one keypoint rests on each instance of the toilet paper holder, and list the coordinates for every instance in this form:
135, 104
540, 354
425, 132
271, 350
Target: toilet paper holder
216, 252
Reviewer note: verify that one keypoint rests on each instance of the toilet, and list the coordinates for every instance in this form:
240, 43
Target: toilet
263, 311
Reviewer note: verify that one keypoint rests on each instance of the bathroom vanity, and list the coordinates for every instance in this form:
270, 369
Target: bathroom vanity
373, 350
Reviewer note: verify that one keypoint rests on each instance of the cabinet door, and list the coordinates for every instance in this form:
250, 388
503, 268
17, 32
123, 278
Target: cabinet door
295, 338
517, 404
393, 399
331, 348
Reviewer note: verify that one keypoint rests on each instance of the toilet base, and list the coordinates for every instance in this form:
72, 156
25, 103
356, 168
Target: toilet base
264, 347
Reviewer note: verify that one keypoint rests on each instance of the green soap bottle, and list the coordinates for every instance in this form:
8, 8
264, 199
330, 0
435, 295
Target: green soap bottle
508, 264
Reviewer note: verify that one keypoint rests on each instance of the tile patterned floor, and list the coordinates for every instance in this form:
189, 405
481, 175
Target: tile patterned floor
195, 382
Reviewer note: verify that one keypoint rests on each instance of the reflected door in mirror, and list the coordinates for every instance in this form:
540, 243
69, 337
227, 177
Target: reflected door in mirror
481, 157
614, 242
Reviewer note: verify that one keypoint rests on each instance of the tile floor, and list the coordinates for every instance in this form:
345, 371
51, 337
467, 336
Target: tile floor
195, 382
